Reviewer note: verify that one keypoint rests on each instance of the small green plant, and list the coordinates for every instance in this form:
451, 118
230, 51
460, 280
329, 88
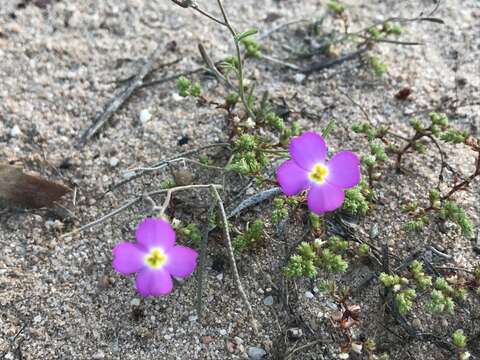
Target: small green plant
249, 158
357, 200
186, 88
303, 263
192, 232
403, 295
336, 7
280, 211
379, 68
423, 281
363, 249
459, 340
249, 238
311, 256
252, 47
451, 211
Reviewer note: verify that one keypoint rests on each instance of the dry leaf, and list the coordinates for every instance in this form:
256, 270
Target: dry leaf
18, 189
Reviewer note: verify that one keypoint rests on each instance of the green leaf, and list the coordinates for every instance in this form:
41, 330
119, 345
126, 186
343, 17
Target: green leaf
245, 34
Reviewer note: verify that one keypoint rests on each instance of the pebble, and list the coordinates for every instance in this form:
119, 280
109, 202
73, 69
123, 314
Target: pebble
15, 131
309, 295
145, 115
114, 162
294, 333
343, 356
299, 78
98, 355
357, 347
256, 353
135, 302
223, 332
219, 277
268, 300
206, 339
374, 231
193, 318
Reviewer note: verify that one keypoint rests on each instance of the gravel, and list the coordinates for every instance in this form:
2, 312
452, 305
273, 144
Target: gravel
60, 298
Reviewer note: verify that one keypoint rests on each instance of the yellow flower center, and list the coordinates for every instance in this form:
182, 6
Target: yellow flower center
156, 258
319, 173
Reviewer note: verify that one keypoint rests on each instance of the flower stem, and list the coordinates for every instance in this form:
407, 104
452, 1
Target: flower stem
232, 257
241, 89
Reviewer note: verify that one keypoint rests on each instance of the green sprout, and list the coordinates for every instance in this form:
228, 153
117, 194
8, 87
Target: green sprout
336, 7
252, 47
379, 68
249, 238
363, 249
186, 88
423, 281
192, 232
459, 339
404, 300
451, 211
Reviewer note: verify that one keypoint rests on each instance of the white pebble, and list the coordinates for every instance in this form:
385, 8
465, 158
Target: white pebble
114, 162
299, 78
145, 115
135, 302
15, 131
309, 295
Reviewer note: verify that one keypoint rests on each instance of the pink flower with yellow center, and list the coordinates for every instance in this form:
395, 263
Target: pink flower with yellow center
309, 170
155, 258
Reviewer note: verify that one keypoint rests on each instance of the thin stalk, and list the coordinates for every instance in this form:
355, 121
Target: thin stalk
241, 89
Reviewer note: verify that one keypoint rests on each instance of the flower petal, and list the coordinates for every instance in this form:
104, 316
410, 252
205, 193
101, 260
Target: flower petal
308, 149
128, 258
292, 178
155, 233
182, 261
344, 169
154, 282
325, 197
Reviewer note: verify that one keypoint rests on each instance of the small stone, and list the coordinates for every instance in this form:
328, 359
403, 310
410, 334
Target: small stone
294, 333
144, 116
374, 231
256, 353
15, 28
183, 177
268, 301
223, 332
114, 162
219, 277
103, 282
238, 340
15, 131
230, 346
343, 356
299, 78
177, 97
444, 323
135, 302
417, 323
309, 295
192, 318
206, 339
98, 355
357, 347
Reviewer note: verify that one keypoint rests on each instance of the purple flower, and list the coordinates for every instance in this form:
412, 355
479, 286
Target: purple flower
325, 180
155, 258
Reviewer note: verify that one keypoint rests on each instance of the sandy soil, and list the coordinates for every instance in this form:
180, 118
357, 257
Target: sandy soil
59, 296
